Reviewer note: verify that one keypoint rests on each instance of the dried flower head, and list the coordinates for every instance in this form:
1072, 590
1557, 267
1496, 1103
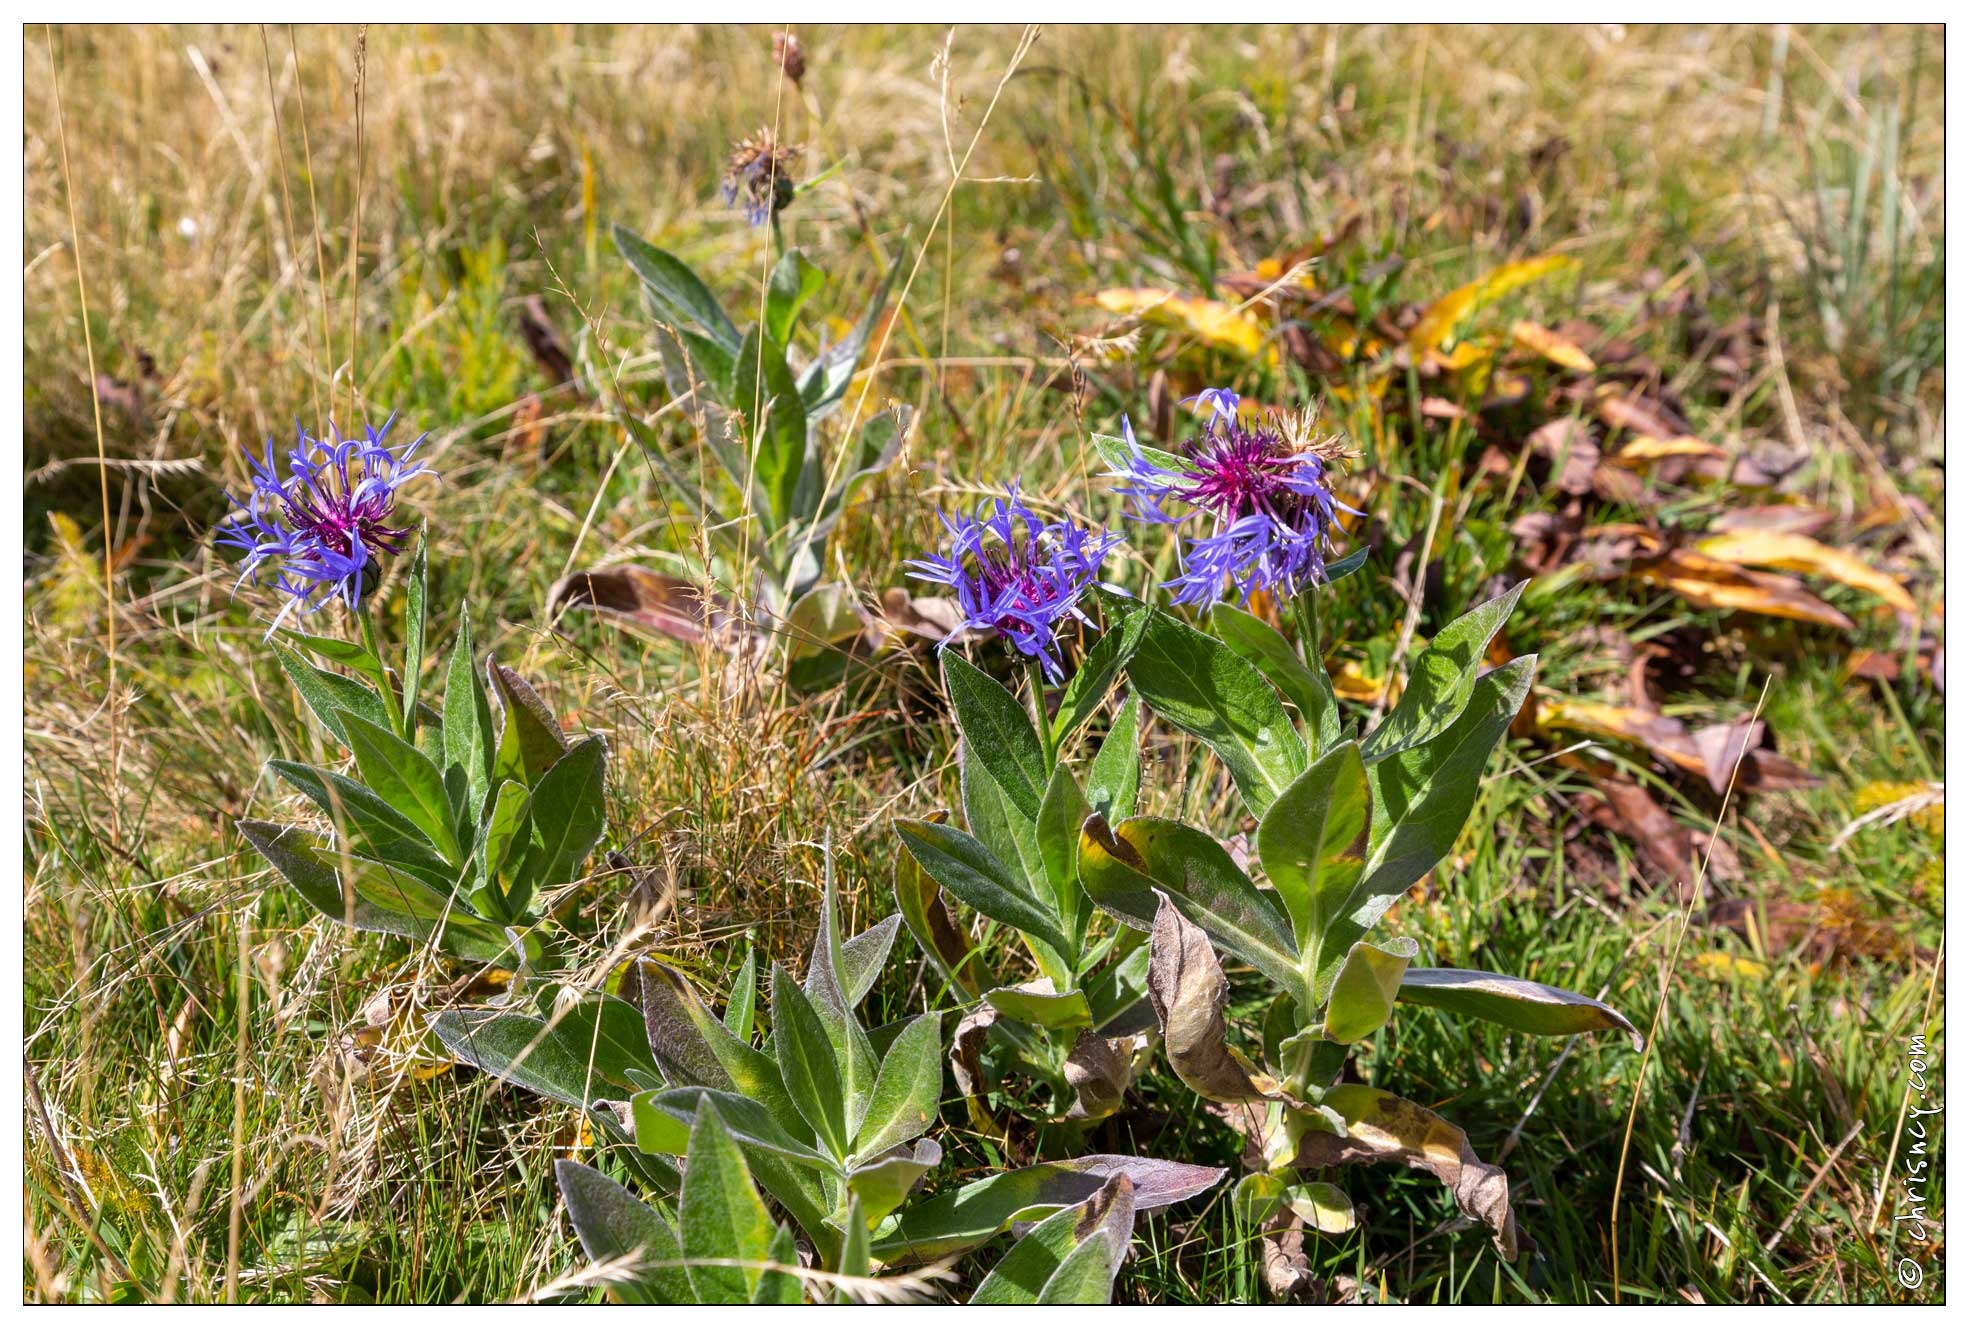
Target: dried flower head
1265, 489
790, 56
325, 525
1016, 575
757, 172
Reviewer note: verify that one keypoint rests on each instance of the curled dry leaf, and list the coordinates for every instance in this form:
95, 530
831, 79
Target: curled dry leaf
654, 601
1188, 989
1668, 846
1559, 350
1795, 518
1383, 1128
1212, 322
1793, 552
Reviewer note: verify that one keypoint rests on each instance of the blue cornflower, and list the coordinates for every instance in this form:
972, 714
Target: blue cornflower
1265, 489
326, 522
758, 171
1016, 575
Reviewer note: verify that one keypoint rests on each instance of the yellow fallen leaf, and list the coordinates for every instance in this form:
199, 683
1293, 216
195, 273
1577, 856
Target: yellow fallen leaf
1213, 322
1801, 553
1441, 318
1557, 349
1662, 735
1721, 964
1351, 682
1639, 452
1709, 582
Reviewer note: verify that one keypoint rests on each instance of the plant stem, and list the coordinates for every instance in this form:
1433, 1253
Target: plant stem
1036, 675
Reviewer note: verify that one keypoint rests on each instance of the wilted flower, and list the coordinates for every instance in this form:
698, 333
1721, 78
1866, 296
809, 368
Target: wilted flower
790, 55
325, 525
757, 172
1017, 575
1266, 490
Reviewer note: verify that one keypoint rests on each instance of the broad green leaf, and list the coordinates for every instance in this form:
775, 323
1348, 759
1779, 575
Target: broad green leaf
530, 739
1324, 1207
1115, 774
1042, 1010
855, 1259
1021, 1277
328, 694
348, 654
1123, 869
376, 829
1056, 835
1422, 797
1086, 1276
413, 634
883, 1182
941, 941
694, 1048
1010, 835
956, 1220
1201, 686
468, 736
1515, 1003
676, 287
568, 813
998, 730
967, 870
1305, 686
501, 851
793, 282
1440, 685
664, 1116
1363, 995
745, 995
780, 1287
908, 1087
613, 1225
720, 1216
826, 986
806, 1063
824, 382
763, 392
582, 1053
1114, 451
1104, 662
862, 957
1312, 840
404, 778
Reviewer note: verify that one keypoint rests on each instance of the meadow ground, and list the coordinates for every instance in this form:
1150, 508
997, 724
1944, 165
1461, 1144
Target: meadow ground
221, 1098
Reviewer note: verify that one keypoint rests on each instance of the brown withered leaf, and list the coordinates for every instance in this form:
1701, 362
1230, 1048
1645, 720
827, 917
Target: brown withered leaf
654, 601
1713, 583
1568, 446
1560, 350
545, 341
1188, 989
1801, 553
1669, 847
1725, 746
1639, 414
1099, 1070
1382, 1128
1795, 518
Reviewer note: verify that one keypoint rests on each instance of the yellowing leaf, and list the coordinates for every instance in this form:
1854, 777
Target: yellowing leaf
1801, 553
1640, 452
1441, 318
1350, 682
1545, 342
1713, 583
1212, 322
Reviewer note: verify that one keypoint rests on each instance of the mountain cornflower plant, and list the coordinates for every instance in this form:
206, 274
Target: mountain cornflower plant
323, 524
1266, 489
1017, 575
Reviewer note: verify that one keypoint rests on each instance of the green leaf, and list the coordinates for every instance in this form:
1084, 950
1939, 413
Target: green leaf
903, 1103
745, 995
1123, 868
956, 1220
966, 869
1204, 688
999, 731
780, 1287
568, 813
1422, 797
1027, 1274
1312, 840
720, 1215
824, 382
1515, 1003
613, 1224
348, 654
673, 285
413, 634
1057, 837
404, 778
1322, 1206
1116, 771
920, 900
1084, 692
468, 734
830, 977
863, 955
530, 739
806, 1063
376, 829
1010, 835
694, 1048
793, 282
501, 850
662, 1117
1042, 1010
1306, 686
327, 694
885, 1181
1363, 995
1115, 452
1442, 681
764, 393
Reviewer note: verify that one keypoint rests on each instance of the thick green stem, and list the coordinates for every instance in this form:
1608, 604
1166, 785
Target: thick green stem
390, 703
1036, 675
